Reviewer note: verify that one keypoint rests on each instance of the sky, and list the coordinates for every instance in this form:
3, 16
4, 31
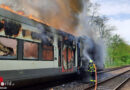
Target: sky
118, 12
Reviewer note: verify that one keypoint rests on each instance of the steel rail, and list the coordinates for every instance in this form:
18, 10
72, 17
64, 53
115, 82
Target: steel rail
122, 84
108, 79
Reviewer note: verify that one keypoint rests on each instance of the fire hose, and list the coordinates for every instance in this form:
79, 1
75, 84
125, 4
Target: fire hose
95, 76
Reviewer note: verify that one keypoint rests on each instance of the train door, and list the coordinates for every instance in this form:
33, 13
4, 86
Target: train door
67, 58
67, 54
70, 54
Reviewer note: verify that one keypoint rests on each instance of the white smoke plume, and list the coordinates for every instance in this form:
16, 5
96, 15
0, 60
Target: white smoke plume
94, 47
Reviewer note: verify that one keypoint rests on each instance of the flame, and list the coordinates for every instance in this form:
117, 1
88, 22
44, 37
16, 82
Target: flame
21, 13
6, 7
62, 16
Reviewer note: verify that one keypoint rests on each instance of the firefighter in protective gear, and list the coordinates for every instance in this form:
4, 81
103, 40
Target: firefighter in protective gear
91, 71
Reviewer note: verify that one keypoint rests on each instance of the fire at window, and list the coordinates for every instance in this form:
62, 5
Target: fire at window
30, 50
8, 47
48, 52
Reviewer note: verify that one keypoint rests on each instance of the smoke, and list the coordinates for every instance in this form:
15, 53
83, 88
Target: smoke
47, 38
93, 46
60, 14
71, 16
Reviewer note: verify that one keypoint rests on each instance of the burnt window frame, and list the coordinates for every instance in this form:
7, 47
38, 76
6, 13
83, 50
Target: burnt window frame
43, 49
74, 49
10, 58
7, 21
26, 59
60, 53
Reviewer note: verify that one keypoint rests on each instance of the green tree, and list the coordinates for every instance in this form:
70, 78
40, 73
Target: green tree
119, 51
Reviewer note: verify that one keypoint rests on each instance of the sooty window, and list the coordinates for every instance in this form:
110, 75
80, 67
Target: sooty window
8, 48
48, 53
30, 50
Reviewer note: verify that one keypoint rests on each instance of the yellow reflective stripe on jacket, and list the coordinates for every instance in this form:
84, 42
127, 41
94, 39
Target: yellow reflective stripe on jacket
93, 80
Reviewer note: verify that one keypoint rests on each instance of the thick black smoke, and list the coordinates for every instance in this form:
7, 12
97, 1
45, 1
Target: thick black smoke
92, 50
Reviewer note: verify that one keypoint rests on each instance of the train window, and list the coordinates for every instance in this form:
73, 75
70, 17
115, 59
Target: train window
12, 28
30, 50
35, 36
8, 48
26, 33
48, 53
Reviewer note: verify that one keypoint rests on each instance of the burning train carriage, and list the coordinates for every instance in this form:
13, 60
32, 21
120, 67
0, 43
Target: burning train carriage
27, 52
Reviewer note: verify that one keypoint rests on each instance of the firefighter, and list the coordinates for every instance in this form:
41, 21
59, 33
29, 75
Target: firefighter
91, 71
87, 71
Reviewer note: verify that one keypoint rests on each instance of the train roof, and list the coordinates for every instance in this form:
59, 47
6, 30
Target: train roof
34, 24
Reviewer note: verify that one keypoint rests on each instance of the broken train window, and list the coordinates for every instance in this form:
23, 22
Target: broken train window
12, 28
8, 48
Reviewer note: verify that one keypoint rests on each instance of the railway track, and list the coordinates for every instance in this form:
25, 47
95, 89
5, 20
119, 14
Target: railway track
112, 69
113, 83
125, 85
74, 84
82, 86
